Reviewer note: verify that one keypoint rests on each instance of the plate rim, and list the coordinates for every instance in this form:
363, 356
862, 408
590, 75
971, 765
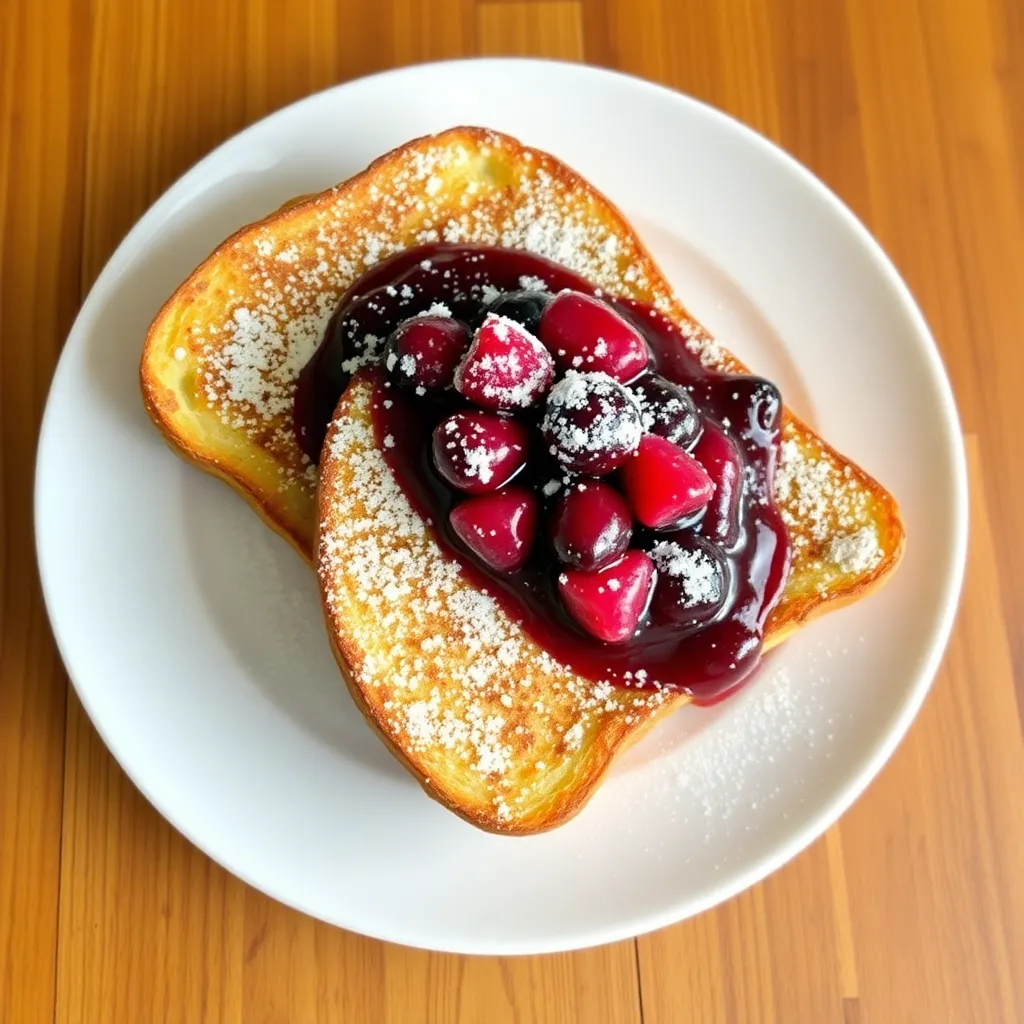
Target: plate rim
863, 771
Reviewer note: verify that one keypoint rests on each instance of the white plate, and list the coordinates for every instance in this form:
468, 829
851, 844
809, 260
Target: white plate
194, 636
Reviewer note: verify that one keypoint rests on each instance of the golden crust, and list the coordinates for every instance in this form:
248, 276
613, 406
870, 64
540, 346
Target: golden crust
490, 724
218, 371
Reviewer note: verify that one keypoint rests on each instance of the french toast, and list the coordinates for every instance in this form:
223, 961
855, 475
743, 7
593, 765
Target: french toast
491, 724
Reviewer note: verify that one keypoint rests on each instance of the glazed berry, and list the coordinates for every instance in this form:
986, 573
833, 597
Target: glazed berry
506, 367
757, 403
584, 333
478, 451
692, 580
591, 423
355, 338
664, 484
610, 603
360, 330
667, 409
718, 454
346, 348
499, 528
422, 352
525, 307
591, 525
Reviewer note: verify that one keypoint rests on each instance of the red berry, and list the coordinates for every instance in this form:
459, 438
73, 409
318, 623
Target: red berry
506, 367
584, 333
611, 602
664, 484
720, 457
692, 580
423, 352
498, 528
591, 525
591, 423
478, 451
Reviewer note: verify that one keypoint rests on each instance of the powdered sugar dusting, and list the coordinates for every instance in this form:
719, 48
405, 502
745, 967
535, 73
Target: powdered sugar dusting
699, 577
829, 513
612, 428
262, 358
719, 768
480, 452
532, 283
454, 677
855, 552
506, 364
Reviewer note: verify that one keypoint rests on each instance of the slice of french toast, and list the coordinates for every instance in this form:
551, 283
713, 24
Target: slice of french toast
495, 729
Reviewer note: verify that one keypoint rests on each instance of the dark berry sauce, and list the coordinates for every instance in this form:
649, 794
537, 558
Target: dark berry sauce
708, 661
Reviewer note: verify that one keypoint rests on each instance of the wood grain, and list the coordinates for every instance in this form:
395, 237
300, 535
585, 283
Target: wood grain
912, 908
530, 29
41, 65
942, 820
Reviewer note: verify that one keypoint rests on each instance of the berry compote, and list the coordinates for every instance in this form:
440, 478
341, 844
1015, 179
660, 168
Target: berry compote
584, 467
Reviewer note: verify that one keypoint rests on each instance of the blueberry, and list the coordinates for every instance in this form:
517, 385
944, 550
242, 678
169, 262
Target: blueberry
525, 307
755, 403
591, 423
693, 580
667, 409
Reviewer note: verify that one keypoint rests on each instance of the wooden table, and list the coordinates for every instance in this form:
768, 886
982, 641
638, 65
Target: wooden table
912, 909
